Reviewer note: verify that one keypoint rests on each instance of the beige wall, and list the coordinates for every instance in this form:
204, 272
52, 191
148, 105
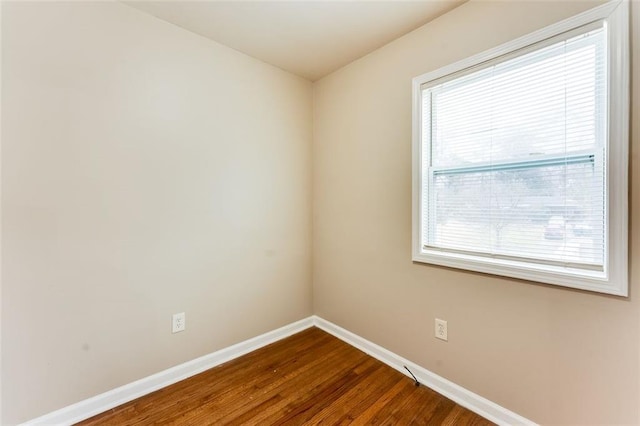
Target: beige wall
553, 355
145, 171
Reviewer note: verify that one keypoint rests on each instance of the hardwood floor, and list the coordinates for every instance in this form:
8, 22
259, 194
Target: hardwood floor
308, 378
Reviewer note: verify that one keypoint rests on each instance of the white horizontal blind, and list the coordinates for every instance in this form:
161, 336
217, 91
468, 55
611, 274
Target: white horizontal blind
514, 156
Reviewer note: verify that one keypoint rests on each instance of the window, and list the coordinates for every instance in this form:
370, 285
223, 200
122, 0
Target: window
521, 156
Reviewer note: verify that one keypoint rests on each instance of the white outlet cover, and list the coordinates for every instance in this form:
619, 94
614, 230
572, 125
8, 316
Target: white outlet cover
441, 329
178, 323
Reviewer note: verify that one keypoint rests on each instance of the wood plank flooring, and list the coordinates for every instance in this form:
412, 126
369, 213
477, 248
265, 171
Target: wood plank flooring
306, 379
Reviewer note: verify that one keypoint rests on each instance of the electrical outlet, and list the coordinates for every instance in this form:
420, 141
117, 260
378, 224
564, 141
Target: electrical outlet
441, 329
178, 323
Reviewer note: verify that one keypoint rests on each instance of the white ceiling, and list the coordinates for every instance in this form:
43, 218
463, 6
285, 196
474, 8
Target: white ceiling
308, 38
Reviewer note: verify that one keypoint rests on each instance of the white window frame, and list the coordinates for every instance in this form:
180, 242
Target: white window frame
613, 279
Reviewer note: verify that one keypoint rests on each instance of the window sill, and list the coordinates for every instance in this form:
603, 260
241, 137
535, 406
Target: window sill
597, 281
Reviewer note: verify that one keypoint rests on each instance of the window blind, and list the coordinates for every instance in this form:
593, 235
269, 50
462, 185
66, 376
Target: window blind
514, 156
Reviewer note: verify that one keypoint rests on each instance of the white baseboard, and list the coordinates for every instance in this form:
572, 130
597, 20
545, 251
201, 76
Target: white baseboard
118, 396
456, 393
123, 394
